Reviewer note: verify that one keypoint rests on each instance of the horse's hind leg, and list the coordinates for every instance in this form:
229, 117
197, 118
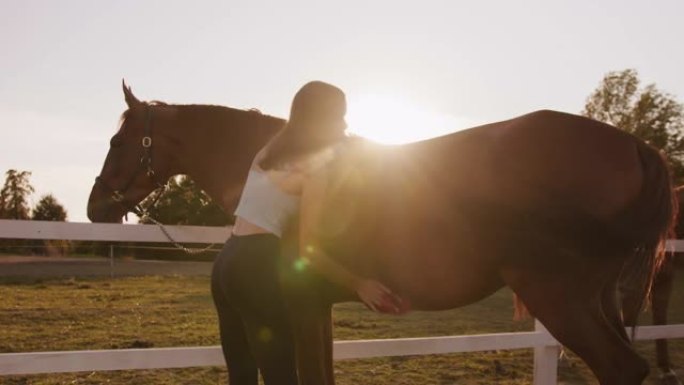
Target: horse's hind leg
570, 307
660, 300
611, 308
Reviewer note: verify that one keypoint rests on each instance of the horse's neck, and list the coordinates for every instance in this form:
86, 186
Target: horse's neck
206, 169
217, 158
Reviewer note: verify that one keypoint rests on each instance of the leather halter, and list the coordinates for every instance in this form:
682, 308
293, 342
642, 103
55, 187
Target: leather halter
119, 195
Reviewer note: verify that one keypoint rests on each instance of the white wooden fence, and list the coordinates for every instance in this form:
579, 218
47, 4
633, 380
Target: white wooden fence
546, 348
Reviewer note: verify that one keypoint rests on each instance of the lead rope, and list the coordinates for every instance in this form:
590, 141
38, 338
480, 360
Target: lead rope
187, 250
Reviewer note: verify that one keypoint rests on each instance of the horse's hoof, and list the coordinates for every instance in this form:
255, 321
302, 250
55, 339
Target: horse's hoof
669, 378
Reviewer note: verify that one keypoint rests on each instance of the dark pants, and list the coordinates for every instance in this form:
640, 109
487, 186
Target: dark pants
254, 327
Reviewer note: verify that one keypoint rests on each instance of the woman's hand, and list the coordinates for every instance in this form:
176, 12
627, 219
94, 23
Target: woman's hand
379, 298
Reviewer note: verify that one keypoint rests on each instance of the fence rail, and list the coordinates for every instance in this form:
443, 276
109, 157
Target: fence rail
47, 230
546, 348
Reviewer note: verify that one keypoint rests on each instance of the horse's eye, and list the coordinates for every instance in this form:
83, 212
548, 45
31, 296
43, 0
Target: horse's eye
116, 141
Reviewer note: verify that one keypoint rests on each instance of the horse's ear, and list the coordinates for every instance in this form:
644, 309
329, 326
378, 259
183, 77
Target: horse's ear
131, 100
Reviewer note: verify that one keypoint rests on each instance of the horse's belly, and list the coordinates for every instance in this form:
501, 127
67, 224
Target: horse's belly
437, 276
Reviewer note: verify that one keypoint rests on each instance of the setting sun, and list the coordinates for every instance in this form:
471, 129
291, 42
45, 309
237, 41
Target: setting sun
392, 120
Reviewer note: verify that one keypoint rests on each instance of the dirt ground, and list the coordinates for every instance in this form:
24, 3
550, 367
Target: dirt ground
49, 267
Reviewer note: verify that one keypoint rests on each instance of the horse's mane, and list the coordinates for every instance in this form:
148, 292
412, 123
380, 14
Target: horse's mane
212, 114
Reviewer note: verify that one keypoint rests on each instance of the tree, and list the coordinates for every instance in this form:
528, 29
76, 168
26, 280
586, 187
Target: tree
183, 203
14, 195
648, 113
48, 209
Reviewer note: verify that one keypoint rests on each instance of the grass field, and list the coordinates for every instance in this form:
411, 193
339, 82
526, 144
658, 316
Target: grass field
172, 311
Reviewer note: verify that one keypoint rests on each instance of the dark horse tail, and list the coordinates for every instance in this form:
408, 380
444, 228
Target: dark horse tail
648, 222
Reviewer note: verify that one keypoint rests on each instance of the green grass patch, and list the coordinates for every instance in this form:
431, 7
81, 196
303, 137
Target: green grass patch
141, 312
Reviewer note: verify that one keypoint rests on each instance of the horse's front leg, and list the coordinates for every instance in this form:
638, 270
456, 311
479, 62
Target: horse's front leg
312, 329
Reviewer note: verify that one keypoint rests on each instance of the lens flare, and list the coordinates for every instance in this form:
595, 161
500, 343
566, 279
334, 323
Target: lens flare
265, 335
301, 263
393, 120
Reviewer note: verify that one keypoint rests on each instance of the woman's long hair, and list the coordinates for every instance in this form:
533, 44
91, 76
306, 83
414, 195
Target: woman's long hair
316, 121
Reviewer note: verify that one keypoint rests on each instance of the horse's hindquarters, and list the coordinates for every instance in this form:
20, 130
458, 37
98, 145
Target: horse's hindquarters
553, 158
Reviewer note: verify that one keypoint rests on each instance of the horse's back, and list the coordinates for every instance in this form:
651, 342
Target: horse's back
545, 156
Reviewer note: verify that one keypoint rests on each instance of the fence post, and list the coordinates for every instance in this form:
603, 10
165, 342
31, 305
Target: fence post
545, 360
111, 261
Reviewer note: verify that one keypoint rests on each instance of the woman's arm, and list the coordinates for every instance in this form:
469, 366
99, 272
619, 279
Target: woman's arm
374, 294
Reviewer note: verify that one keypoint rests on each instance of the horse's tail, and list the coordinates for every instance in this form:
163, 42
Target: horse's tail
648, 223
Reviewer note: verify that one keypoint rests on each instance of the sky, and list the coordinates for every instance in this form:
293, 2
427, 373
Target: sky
424, 68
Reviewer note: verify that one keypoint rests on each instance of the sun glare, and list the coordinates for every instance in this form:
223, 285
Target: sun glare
391, 120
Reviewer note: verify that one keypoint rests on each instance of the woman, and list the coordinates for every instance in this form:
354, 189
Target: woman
254, 327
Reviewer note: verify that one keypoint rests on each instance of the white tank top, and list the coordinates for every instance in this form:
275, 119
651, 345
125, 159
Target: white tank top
264, 204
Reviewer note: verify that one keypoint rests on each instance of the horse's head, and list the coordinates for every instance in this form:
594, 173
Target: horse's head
140, 160
213, 145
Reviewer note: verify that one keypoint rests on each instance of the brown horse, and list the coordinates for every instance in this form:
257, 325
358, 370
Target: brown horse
556, 206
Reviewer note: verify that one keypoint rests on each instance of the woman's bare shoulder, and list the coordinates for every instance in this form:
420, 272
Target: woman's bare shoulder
257, 159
